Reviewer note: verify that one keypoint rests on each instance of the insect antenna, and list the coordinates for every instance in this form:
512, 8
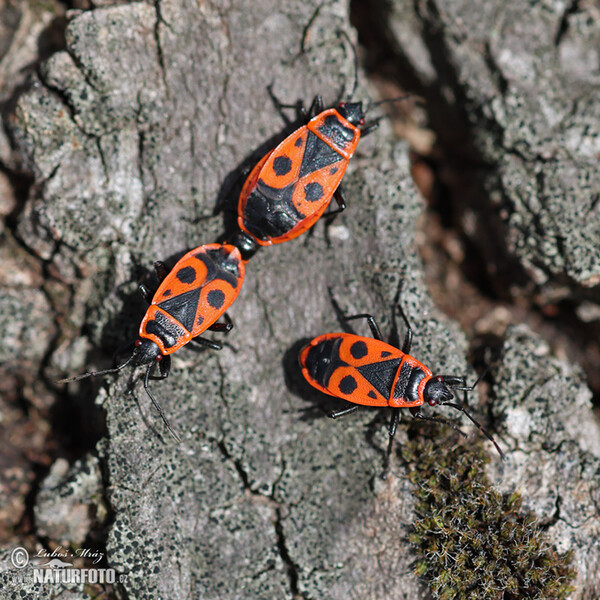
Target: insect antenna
385, 101
156, 404
355, 54
95, 373
458, 383
390, 100
481, 428
441, 420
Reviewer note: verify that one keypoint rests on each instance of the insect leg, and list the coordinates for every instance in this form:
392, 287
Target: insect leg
203, 342
330, 216
370, 127
397, 308
392, 430
334, 414
164, 368
156, 404
372, 324
223, 327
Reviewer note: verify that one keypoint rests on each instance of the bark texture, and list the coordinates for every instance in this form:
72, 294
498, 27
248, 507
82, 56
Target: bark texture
134, 137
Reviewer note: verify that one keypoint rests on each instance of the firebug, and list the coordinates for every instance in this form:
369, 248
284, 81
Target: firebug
290, 188
189, 300
369, 372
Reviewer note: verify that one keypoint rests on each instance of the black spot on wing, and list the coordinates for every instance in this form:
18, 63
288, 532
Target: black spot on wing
348, 384
385, 353
313, 191
372, 394
186, 274
298, 142
167, 293
317, 155
216, 298
282, 165
359, 349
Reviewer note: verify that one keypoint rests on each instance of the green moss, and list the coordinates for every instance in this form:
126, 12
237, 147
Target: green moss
474, 543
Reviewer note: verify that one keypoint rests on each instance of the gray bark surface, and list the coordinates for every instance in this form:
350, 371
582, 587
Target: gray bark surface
521, 78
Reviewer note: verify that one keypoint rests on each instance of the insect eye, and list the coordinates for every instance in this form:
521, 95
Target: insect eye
158, 357
138, 343
439, 378
431, 402
341, 105
362, 121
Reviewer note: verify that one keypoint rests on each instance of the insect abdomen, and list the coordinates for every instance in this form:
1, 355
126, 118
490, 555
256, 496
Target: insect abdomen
269, 212
322, 360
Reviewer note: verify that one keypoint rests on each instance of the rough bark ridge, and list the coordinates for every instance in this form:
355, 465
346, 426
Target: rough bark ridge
520, 79
134, 135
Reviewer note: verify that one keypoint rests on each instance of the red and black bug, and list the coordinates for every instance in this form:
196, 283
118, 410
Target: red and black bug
291, 186
370, 372
189, 300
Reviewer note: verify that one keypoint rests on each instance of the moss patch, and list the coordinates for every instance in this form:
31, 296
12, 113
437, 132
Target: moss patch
474, 543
